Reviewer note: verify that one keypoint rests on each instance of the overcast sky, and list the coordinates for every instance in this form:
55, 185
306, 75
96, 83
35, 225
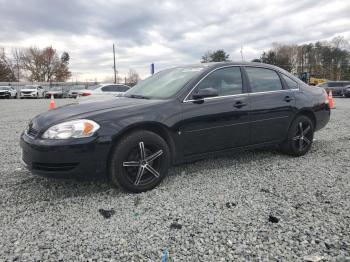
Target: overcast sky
167, 33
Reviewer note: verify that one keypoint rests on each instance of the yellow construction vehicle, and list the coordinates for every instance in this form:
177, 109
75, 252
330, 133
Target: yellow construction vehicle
313, 81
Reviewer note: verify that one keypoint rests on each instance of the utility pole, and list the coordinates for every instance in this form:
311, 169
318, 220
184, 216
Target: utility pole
242, 52
115, 71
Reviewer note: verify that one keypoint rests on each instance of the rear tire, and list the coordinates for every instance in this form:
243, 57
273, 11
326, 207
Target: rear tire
300, 137
139, 161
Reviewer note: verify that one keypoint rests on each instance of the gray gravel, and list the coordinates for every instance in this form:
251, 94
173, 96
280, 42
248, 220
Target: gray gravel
256, 205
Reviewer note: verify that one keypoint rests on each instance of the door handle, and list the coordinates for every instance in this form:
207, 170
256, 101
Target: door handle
239, 104
288, 98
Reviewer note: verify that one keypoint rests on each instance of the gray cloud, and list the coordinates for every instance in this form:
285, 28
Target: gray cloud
165, 32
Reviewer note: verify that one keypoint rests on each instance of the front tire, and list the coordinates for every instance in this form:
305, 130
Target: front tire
139, 162
300, 137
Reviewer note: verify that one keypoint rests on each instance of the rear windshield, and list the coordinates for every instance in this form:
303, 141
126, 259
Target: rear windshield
93, 87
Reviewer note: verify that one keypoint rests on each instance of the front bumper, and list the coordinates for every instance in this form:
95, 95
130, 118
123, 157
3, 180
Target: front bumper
65, 158
5, 95
28, 95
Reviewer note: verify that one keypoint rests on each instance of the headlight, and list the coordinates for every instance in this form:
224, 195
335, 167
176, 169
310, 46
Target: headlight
72, 129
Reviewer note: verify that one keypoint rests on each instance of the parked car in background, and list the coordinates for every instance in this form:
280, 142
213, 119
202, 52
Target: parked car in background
7, 92
337, 87
74, 92
347, 91
175, 116
56, 92
104, 89
32, 91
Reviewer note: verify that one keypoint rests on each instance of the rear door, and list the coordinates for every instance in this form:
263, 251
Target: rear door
216, 123
272, 105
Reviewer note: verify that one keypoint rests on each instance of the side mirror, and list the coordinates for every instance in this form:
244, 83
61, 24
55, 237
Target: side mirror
205, 92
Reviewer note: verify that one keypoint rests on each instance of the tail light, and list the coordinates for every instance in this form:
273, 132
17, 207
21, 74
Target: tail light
326, 100
85, 94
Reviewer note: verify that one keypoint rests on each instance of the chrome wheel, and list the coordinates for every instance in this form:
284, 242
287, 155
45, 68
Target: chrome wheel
303, 136
142, 164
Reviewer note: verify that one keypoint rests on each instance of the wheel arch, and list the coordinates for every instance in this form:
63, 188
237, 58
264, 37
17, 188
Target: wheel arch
155, 127
306, 112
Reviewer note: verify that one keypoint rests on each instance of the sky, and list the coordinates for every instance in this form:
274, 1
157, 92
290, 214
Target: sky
166, 33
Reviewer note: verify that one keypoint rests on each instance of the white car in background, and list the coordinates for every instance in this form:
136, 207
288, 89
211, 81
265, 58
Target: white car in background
33, 91
104, 90
7, 92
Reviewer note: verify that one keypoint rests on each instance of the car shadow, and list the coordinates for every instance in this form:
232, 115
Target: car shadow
33, 189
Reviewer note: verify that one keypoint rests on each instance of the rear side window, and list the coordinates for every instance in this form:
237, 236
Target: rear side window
290, 82
121, 88
263, 79
228, 81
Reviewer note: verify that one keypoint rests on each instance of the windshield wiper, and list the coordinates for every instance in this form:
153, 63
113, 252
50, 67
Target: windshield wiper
138, 96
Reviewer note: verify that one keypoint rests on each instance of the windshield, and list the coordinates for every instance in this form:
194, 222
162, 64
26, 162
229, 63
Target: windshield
164, 84
56, 89
4, 88
29, 87
93, 87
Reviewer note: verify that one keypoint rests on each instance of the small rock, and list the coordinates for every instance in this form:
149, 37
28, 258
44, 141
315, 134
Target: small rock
313, 258
175, 225
264, 190
230, 204
106, 213
273, 219
328, 245
137, 201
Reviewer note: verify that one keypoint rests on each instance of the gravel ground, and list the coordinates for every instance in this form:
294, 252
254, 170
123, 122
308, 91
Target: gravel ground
256, 205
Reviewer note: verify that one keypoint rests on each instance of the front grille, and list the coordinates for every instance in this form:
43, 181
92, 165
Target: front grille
26, 92
32, 132
55, 167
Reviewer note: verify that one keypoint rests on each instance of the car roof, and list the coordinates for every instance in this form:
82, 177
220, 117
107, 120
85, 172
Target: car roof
214, 65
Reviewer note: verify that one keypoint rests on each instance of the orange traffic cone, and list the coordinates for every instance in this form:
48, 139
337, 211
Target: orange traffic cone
331, 100
52, 103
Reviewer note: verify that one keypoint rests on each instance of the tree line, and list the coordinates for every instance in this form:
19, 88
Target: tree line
34, 64
323, 59
327, 59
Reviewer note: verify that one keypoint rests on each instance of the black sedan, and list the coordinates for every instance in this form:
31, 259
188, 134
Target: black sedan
177, 115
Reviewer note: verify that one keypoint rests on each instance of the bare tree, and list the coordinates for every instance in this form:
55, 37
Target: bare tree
45, 64
6, 67
132, 78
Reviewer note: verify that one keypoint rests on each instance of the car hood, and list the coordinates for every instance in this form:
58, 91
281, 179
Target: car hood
53, 92
4, 90
87, 109
28, 90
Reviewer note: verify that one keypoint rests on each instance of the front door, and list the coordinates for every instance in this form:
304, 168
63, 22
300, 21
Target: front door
220, 122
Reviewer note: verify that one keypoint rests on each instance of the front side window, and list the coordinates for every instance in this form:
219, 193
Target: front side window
290, 82
227, 81
263, 79
108, 89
